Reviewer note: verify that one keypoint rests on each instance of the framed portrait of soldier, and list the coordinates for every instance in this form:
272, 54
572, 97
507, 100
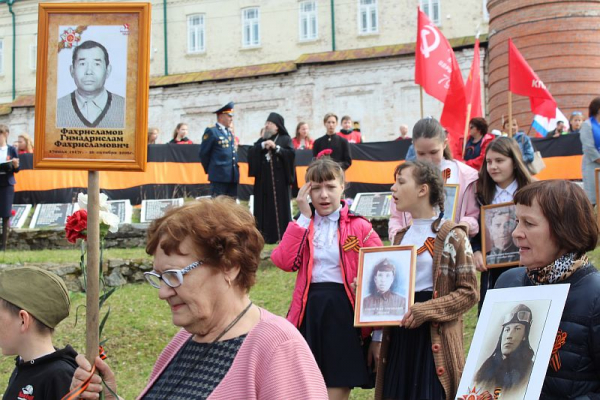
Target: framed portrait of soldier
385, 285
451, 201
91, 106
512, 347
498, 222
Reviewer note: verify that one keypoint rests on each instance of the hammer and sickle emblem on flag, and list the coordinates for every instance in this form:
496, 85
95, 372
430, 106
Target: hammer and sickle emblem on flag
426, 47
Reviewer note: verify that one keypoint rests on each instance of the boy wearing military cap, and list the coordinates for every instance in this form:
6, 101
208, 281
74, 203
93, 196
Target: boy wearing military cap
32, 302
219, 156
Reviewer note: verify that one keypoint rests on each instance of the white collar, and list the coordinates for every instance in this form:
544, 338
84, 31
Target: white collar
334, 216
221, 126
510, 189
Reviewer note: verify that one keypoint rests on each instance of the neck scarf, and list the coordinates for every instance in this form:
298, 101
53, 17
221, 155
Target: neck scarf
595, 132
559, 270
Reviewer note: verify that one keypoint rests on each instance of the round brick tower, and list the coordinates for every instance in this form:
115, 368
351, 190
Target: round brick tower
561, 42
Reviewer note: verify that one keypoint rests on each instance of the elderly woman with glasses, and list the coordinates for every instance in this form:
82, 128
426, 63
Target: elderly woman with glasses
206, 254
556, 226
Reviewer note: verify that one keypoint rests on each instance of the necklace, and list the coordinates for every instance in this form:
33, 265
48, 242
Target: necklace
202, 355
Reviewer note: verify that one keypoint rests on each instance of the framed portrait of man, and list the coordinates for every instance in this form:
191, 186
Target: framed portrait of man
385, 285
91, 109
451, 202
498, 221
512, 345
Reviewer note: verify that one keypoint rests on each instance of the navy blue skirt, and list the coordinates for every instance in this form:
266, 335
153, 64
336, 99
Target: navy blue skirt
328, 328
7, 194
410, 371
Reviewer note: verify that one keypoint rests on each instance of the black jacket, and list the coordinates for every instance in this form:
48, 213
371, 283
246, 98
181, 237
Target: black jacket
48, 378
339, 146
579, 374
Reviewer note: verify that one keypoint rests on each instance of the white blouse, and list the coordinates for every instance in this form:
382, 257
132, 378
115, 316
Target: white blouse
326, 257
416, 235
505, 195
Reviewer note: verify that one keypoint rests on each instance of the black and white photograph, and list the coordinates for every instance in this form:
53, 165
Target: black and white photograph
498, 223
385, 285
92, 77
513, 342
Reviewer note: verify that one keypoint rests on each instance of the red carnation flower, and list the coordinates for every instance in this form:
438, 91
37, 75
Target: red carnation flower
326, 152
76, 226
13, 213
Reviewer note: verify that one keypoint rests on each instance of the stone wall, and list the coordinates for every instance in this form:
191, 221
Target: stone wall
128, 236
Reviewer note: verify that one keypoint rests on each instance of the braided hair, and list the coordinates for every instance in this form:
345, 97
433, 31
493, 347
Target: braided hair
425, 173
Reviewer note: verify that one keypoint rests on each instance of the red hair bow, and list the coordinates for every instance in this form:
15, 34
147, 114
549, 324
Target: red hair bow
326, 152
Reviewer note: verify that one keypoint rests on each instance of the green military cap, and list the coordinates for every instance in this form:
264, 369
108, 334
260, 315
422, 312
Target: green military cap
39, 292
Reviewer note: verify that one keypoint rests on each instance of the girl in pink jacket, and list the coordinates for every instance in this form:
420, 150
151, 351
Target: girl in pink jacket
323, 245
431, 144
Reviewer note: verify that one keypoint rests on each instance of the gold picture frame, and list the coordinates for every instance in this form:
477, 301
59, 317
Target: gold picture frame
499, 220
385, 285
451, 201
91, 105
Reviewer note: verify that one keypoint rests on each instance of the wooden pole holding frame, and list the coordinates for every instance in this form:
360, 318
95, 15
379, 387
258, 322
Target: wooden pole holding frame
93, 267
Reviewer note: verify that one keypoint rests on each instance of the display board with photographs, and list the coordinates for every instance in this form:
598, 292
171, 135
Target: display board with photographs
386, 285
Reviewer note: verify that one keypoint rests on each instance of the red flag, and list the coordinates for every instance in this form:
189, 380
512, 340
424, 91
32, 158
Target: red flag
454, 114
473, 85
432, 59
523, 81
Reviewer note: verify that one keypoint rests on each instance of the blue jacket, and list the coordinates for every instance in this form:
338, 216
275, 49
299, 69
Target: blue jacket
218, 155
525, 145
8, 179
578, 376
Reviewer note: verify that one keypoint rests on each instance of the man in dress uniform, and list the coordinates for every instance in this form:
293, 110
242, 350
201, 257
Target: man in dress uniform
219, 156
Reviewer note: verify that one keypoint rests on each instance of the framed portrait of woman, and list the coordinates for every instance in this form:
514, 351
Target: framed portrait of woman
91, 106
385, 285
512, 347
498, 221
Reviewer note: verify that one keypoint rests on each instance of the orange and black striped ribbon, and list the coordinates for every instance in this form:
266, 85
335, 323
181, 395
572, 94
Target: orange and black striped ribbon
76, 391
561, 338
427, 246
446, 174
351, 243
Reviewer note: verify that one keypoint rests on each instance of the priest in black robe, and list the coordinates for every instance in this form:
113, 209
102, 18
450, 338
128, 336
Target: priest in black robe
271, 163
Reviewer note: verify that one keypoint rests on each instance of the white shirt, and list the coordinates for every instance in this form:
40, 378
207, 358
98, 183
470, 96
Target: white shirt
326, 257
416, 235
91, 108
505, 195
3, 156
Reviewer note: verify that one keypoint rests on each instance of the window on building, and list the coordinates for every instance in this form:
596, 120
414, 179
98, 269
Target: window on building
367, 16
196, 33
250, 27
432, 9
1, 56
308, 20
33, 56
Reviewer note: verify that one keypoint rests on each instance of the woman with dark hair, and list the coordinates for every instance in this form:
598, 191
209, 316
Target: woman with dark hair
556, 228
510, 364
589, 135
502, 174
477, 142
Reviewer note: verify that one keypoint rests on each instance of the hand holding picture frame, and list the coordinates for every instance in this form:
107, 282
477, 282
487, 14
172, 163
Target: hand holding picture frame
498, 221
385, 285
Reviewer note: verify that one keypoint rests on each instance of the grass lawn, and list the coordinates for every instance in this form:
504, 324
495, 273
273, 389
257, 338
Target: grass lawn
140, 324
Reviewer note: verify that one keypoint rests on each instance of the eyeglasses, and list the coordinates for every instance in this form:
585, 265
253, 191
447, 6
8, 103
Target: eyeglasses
519, 316
172, 277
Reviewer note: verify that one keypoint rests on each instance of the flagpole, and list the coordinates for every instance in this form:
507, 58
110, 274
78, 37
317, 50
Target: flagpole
466, 129
421, 98
510, 117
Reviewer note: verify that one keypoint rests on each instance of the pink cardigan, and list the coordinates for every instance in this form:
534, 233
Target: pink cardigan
467, 210
273, 363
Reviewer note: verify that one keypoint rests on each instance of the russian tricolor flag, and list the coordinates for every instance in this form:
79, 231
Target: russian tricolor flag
543, 125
